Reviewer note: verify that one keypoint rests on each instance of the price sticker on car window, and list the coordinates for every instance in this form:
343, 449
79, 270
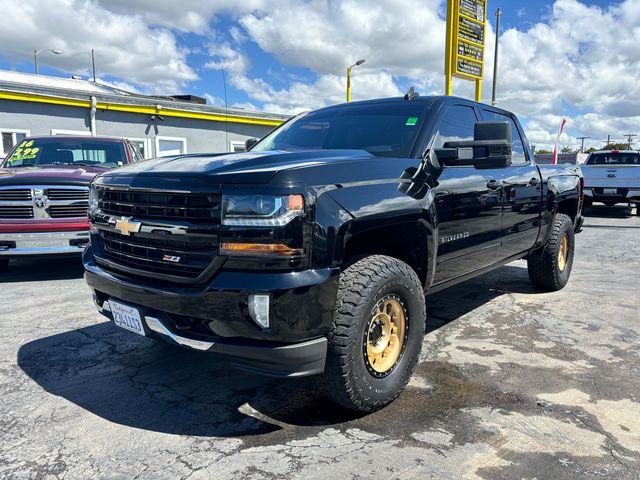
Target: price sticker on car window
412, 121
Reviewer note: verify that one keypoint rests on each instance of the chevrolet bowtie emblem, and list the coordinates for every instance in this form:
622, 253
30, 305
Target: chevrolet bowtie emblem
127, 226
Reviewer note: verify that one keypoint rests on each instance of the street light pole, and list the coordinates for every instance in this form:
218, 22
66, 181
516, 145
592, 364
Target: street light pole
93, 66
55, 51
495, 57
358, 63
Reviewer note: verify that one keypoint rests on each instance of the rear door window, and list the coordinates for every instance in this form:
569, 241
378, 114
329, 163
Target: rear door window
518, 155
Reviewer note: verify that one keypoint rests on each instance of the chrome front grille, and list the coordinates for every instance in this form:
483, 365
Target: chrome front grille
68, 194
18, 194
15, 212
177, 239
43, 202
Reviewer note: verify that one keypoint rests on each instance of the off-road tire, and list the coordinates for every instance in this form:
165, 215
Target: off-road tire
4, 264
347, 380
543, 264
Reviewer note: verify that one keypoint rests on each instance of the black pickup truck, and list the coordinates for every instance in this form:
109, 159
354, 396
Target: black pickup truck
312, 253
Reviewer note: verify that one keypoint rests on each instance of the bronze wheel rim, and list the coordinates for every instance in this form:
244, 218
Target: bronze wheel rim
563, 254
385, 335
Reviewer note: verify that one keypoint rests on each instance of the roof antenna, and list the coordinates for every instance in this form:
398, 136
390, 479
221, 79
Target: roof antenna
410, 95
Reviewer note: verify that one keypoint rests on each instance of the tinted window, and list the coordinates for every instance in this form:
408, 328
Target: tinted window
613, 159
386, 130
53, 151
518, 156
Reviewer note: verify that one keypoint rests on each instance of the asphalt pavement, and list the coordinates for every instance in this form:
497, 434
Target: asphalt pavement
512, 384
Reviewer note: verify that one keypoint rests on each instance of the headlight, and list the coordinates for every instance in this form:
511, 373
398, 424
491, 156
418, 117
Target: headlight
93, 200
261, 210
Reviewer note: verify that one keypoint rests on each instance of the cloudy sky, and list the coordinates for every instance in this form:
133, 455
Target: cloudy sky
578, 59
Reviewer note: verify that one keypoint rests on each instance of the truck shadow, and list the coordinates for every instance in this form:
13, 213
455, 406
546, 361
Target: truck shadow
602, 211
133, 381
43, 269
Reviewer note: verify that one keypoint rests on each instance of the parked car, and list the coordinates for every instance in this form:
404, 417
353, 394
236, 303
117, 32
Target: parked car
313, 252
612, 177
44, 191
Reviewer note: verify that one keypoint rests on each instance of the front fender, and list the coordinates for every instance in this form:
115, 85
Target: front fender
379, 208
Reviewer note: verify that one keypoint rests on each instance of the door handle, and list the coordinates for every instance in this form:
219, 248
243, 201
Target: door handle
534, 182
493, 184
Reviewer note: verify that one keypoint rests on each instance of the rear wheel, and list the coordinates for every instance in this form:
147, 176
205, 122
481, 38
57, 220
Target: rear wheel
4, 264
376, 334
550, 266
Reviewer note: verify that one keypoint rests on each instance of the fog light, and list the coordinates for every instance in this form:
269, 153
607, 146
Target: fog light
259, 309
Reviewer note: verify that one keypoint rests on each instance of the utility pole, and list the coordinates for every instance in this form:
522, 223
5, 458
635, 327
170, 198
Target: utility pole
582, 139
629, 137
608, 140
495, 57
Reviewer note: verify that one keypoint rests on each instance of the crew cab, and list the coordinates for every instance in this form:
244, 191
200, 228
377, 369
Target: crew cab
312, 253
44, 191
612, 177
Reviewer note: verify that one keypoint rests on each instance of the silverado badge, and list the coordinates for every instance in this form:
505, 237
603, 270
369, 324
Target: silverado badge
127, 226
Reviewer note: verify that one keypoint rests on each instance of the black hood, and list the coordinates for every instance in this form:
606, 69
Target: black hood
248, 167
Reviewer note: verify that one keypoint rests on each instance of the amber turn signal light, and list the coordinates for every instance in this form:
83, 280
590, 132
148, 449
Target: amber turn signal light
259, 249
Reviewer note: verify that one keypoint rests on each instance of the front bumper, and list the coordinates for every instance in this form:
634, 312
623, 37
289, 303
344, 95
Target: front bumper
215, 317
286, 360
42, 243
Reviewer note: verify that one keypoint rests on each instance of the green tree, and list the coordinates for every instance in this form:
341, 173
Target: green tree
543, 151
566, 149
591, 150
616, 146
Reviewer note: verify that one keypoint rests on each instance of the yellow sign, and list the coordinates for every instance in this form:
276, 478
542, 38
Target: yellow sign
464, 56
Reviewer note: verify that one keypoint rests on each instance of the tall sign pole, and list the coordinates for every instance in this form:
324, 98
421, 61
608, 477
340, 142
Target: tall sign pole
495, 58
464, 55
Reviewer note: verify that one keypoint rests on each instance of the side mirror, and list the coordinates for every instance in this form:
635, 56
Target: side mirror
249, 143
491, 147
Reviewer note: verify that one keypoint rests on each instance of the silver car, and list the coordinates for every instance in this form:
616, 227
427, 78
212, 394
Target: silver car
612, 177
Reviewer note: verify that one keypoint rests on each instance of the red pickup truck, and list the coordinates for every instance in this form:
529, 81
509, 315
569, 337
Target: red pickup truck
44, 192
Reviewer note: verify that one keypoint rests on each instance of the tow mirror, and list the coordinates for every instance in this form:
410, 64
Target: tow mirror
491, 147
249, 143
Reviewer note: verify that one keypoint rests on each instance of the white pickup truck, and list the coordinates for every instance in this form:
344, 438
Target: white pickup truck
612, 177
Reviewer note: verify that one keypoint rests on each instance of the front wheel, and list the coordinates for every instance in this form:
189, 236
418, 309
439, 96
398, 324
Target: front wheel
550, 266
376, 333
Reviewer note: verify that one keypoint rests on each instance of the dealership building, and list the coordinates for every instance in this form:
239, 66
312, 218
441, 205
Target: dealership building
33, 105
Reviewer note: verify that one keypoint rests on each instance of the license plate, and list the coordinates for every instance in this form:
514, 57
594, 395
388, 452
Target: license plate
126, 317
610, 191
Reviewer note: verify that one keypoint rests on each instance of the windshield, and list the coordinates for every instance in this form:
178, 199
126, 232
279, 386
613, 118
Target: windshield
611, 158
53, 151
385, 130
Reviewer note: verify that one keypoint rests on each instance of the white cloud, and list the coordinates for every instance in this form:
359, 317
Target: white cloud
188, 16
125, 46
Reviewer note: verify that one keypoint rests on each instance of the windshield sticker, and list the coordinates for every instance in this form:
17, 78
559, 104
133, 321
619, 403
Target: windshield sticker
24, 152
411, 121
